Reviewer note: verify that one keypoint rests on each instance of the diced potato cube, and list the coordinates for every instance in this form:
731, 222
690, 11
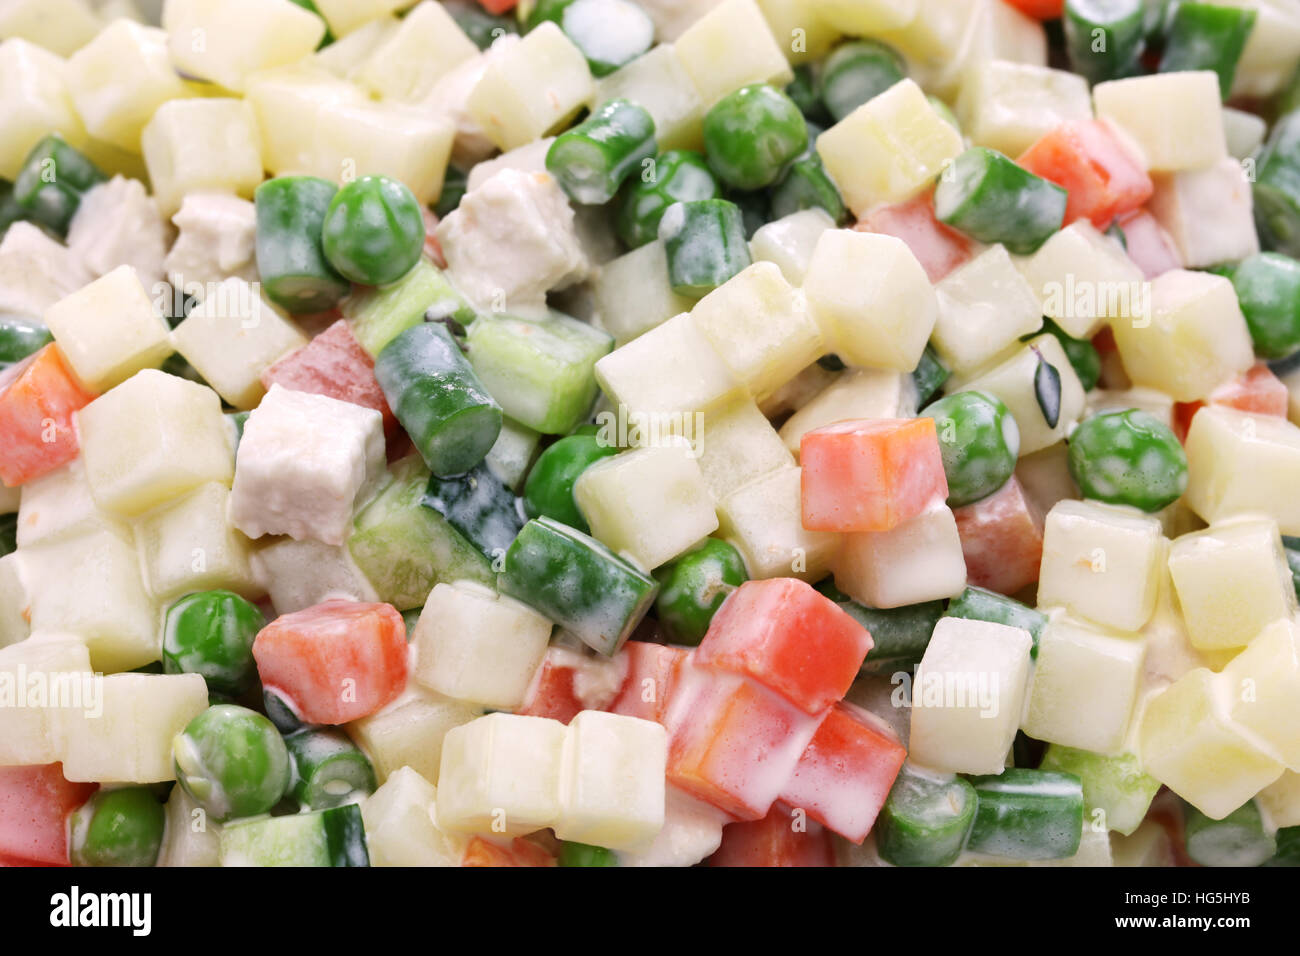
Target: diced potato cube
34, 102
15, 601
1280, 800
476, 645
1263, 689
737, 446
1239, 462
1102, 562
659, 83
407, 62
151, 439
189, 545
409, 733
889, 148
1269, 57
867, 17
225, 40
532, 88
920, 560
60, 505
381, 139
46, 676
1193, 339
1188, 742
968, 695
198, 144
799, 28
1244, 132
299, 574
287, 102
872, 299
232, 337
937, 31
1208, 213
1009, 106
401, 824
1176, 118
1084, 686
305, 462
691, 832
1013, 382
632, 294
130, 741
109, 330
501, 774
789, 242
1083, 279
760, 327
120, 78
190, 838
856, 393
612, 780
730, 47
649, 504
985, 307
763, 519
1232, 580
60, 26
344, 16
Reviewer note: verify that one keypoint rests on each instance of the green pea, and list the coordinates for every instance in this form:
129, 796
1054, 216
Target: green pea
120, 827
583, 854
1268, 288
677, 175
1128, 458
211, 633
232, 761
979, 441
752, 134
692, 588
807, 185
374, 231
549, 488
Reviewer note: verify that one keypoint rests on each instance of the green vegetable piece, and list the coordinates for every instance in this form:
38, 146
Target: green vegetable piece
858, 71
379, 315
373, 232
1047, 390
693, 587
1277, 188
1292, 548
807, 185
53, 178
926, 820
979, 442
479, 506
1027, 815
232, 761
8, 534
929, 375
591, 160
328, 769
333, 837
583, 854
899, 635
1288, 847
1083, 355
806, 92
119, 827
1128, 458
980, 604
21, 337
1104, 38
290, 257
1112, 784
455, 184
990, 198
752, 134
1207, 36
549, 489
678, 175
753, 206
211, 633
281, 713
1268, 290
705, 242
1239, 839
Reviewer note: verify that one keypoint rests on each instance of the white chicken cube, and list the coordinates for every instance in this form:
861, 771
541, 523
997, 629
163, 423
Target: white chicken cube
729, 47
409, 732
117, 224
764, 520
632, 294
201, 144
920, 560
985, 306
789, 242
224, 40
1208, 213
305, 461
1010, 106
856, 393
658, 82
408, 61
1240, 463
47, 674
401, 823
478, 646
1177, 118
738, 446
300, 574
217, 241
512, 240
34, 102
968, 695
36, 271
189, 545
529, 158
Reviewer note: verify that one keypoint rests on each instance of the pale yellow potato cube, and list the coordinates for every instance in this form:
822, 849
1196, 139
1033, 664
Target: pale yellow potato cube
131, 740
43, 676
500, 774
872, 299
1208, 213
189, 545
920, 560
888, 149
199, 144
789, 242
120, 78
232, 337
1083, 279
866, 17
1176, 118
532, 88
401, 821
344, 16
109, 330
406, 63
345, 55
1084, 686
1102, 563
90, 585
15, 600
60, 26
1232, 580
985, 307
1012, 381
1263, 689
934, 31
632, 294
299, 574
1239, 463
1269, 58
1189, 743
1149, 400
1280, 800
409, 732
190, 836
59, 504
729, 47
34, 102
151, 439
612, 780
1243, 132
764, 520
799, 391
224, 40
648, 504
1010, 106
478, 646
379, 139
999, 31
800, 30
761, 327
857, 393
287, 102
658, 82
738, 445
968, 695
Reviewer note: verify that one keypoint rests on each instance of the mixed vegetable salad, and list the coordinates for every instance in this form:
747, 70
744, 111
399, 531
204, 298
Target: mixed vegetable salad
612, 433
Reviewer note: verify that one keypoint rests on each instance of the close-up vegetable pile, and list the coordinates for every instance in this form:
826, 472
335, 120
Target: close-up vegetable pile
650, 433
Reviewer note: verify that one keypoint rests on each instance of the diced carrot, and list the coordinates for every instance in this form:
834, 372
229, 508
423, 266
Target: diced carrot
938, 248
1001, 539
1040, 9
38, 397
782, 838
335, 662
555, 690
498, 7
1256, 390
870, 474
788, 637
650, 672
1087, 159
520, 852
1148, 245
34, 806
